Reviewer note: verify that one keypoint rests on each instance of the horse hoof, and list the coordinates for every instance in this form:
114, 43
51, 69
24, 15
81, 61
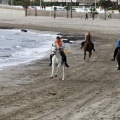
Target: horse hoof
51, 77
55, 75
62, 79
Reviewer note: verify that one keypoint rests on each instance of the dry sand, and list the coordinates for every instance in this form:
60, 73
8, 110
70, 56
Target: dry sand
91, 89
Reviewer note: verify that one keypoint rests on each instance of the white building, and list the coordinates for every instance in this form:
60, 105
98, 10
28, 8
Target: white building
4, 1
80, 1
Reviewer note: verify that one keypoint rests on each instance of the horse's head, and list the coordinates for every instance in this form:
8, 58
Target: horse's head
54, 49
88, 37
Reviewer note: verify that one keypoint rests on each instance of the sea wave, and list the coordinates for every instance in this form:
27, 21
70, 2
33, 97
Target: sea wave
18, 47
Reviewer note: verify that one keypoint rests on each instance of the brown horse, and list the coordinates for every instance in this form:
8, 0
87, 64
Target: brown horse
88, 46
118, 58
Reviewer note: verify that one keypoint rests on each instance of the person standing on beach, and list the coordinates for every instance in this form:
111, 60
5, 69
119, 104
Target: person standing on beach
93, 15
86, 36
60, 44
86, 16
116, 49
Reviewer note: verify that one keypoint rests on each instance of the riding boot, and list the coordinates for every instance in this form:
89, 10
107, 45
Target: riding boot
115, 53
50, 60
93, 47
64, 59
82, 44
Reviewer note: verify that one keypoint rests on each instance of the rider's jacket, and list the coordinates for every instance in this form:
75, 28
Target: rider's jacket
60, 44
118, 43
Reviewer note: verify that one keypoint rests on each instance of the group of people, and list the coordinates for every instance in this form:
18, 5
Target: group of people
60, 44
86, 16
61, 47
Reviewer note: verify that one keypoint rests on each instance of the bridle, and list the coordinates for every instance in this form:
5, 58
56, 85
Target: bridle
55, 50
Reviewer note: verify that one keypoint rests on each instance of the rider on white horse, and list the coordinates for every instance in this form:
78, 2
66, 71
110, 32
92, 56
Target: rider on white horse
60, 44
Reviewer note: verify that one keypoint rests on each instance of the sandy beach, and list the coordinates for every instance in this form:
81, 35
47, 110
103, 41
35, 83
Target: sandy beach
91, 89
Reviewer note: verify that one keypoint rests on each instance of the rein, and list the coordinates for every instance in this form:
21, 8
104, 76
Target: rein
55, 52
88, 41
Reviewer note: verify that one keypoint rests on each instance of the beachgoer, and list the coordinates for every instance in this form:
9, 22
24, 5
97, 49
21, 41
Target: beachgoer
93, 15
60, 44
88, 34
109, 15
86, 16
44, 7
116, 49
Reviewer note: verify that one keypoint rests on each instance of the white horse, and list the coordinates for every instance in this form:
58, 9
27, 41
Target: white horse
57, 59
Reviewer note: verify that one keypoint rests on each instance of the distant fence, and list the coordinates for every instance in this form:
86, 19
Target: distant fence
19, 11
81, 15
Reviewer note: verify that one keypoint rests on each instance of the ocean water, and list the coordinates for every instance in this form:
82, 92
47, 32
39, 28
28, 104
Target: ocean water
18, 47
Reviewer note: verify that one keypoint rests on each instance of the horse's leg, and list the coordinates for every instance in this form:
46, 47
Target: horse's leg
118, 65
58, 68
90, 53
118, 59
53, 67
84, 55
63, 77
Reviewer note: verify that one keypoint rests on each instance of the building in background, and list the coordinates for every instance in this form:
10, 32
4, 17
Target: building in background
4, 1
86, 2
80, 1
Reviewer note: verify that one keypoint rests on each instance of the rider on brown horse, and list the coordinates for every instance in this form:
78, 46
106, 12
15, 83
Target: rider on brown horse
88, 36
116, 49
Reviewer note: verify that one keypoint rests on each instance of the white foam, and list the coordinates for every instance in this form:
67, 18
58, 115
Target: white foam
24, 47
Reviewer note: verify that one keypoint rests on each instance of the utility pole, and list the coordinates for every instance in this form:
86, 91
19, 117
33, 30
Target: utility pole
95, 4
40, 4
71, 8
116, 3
11, 2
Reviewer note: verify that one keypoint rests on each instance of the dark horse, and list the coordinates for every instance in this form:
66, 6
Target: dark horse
88, 46
118, 58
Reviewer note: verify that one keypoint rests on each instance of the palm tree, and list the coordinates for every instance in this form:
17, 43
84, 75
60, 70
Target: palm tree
105, 4
116, 3
25, 4
67, 9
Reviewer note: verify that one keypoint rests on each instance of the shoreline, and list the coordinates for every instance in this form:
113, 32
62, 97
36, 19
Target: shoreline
65, 36
8, 64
